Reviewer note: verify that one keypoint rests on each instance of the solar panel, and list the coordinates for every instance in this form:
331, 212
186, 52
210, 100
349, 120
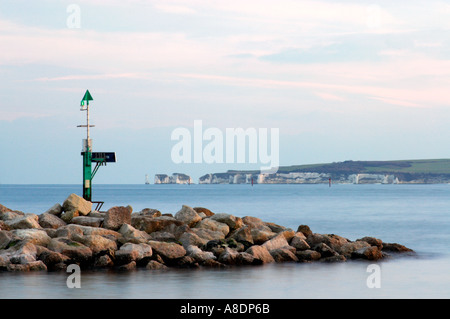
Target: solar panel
108, 157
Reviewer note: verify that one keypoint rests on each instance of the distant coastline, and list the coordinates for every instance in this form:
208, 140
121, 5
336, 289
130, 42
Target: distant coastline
428, 171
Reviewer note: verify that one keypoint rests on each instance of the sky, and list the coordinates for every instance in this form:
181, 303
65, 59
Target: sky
341, 80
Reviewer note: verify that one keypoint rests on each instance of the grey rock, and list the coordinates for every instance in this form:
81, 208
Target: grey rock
307, 255
299, 242
132, 235
56, 210
213, 225
117, 216
154, 265
75, 203
87, 221
168, 251
188, 216
283, 255
260, 253
232, 221
34, 236
25, 222
48, 220
279, 241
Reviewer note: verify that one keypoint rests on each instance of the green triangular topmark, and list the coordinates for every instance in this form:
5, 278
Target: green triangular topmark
87, 97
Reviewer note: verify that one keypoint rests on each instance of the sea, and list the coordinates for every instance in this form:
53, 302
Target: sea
417, 216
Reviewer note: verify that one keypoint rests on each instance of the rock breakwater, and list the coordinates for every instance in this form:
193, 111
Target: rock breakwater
72, 233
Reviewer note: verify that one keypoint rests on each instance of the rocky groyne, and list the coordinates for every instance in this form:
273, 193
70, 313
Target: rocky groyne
72, 233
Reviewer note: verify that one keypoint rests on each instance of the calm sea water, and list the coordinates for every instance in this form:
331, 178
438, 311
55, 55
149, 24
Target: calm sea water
417, 216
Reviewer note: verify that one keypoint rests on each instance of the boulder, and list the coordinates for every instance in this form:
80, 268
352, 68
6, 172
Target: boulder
103, 261
50, 258
71, 230
4, 262
108, 233
132, 235
348, 248
150, 225
243, 235
7, 238
275, 227
168, 251
19, 253
394, 247
199, 255
299, 242
51, 232
203, 210
229, 256
8, 214
191, 238
87, 221
69, 215
178, 231
186, 262
208, 234
56, 210
369, 253
307, 255
247, 259
314, 239
77, 252
97, 214
30, 266
188, 216
325, 250
148, 212
127, 267
154, 265
279, 241
34, 236
283, 255
163, 236
372, 241
98, 244
24, 222
305, 230
117, 216
48, 220
287, 233
213, 225
333, 241
75, 203
218, 245
125, 256
332, 259
255, 222
260, 253
133, 252
260, 236
232, 221
202, 215
211, 263
336, 241
4, 209
4, 226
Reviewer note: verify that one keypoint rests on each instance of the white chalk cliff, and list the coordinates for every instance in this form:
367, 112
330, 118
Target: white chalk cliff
297, 178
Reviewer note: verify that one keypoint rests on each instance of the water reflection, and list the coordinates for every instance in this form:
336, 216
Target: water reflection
287, 281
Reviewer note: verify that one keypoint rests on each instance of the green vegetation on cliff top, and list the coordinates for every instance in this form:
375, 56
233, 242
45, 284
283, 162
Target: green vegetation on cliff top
426, 166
